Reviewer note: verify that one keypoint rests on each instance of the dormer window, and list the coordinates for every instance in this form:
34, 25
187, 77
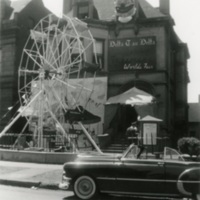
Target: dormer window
83, 10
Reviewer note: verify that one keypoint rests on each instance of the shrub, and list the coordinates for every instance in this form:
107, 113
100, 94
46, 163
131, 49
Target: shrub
189, 145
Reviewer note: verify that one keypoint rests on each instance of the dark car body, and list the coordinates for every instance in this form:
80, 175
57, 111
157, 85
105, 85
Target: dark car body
167, 175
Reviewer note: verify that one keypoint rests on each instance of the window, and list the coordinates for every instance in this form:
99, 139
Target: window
83, 10
76, 53
99, 47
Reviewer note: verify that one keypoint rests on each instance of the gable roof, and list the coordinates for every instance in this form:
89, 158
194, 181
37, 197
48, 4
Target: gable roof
18, 6
150, 11
106, 9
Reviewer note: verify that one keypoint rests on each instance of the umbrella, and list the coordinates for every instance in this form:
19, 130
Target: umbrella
79, 114
133, 96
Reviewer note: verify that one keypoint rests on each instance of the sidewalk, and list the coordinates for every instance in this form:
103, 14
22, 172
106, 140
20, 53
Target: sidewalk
30, 174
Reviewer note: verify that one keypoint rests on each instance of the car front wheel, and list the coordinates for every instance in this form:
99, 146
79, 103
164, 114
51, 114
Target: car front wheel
85, 187
197, 197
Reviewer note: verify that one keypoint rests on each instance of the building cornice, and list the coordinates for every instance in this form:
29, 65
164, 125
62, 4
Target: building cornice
145, 22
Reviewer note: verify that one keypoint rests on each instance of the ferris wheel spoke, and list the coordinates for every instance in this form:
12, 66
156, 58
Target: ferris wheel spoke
27, 71
32, 58
53, 43
58, 56
65, 83
65, 50
53, 55
37, 36
57, 98
28, 84
48, 55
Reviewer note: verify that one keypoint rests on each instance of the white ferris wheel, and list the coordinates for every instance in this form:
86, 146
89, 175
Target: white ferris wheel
57, 51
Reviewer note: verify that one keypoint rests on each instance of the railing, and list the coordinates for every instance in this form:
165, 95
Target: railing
155, 145
26, 141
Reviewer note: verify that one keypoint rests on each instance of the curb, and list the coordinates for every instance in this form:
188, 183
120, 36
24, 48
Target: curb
29, 184
53, 186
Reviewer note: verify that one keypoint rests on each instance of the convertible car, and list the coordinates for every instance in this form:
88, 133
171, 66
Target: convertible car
135, 172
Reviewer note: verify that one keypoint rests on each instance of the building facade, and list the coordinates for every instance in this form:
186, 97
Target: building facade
139, 48
136, 46
194, 119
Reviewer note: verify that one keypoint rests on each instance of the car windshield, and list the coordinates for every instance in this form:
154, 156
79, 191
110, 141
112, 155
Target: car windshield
131, 152
172, 154
135, 152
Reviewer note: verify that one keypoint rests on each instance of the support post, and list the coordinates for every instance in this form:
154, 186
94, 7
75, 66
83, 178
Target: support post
90, 138
19, 115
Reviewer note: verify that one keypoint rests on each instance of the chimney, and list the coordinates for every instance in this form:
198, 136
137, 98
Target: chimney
165, 7
67, 6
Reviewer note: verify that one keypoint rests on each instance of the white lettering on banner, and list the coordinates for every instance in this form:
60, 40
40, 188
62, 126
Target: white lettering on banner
146, 42
128, 43
137, 66
146, 66
132, 43
129, 66
116, 43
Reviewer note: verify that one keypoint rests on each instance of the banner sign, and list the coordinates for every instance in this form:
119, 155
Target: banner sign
149, 134
134, 54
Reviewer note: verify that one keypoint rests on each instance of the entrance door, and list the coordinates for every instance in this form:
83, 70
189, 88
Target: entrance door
127, 115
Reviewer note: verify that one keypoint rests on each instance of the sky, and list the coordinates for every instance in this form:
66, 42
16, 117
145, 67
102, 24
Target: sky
186, 15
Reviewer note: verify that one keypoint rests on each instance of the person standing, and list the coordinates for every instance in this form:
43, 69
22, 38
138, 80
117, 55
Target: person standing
131, 133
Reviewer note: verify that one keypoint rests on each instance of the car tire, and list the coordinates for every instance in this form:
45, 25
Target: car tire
197, 197
85, 187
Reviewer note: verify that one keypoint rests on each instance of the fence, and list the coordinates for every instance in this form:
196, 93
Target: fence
26, 141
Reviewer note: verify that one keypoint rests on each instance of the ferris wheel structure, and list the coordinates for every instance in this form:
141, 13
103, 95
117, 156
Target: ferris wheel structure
57, 51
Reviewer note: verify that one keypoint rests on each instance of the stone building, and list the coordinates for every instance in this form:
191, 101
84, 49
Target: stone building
194, 119
16, 20
138, 47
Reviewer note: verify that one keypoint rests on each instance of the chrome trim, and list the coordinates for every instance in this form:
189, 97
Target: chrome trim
106, 178
131, 179
181, 188
146, 180
140, 194
190, 181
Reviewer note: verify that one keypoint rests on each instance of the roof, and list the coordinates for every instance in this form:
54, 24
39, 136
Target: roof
18, 6
194, 112
106, 9
151, 119
149, 10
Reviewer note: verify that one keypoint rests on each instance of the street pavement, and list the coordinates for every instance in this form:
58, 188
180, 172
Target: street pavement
30, 174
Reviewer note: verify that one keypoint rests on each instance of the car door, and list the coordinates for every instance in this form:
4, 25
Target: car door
140, 176
174, 166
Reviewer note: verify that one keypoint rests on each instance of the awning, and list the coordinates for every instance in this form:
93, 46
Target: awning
150, 118
81, 115
133, 96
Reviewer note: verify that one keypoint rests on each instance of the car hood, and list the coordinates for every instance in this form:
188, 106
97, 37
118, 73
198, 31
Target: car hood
94, 157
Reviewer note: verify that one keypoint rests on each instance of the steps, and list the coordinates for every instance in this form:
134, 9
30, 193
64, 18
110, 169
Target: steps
117, 146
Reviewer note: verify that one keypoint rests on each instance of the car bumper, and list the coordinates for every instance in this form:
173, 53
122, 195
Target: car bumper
65, 184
